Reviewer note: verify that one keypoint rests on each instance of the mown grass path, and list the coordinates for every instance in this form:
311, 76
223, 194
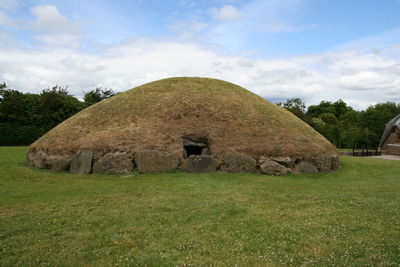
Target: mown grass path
350, 217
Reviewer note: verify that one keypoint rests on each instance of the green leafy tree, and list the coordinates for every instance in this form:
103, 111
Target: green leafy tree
315, 111
97, 95
56, 105
296, 106
19, 117
374, 118
330, 129
329, 118
24, 117
341, 108
350, 124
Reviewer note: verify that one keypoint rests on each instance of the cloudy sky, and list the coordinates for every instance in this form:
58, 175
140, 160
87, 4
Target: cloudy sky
312, 49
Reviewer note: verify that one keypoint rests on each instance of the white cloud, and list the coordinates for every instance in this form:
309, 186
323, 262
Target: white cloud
53, 28
185, 30
386, 39
367, 81
361, 72
187, 3
7, 40
9, 4
6, 20
226, 13
267, 16
358, 77
259, 20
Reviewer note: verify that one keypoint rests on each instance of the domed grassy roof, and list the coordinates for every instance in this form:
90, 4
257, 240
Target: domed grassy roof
157, 115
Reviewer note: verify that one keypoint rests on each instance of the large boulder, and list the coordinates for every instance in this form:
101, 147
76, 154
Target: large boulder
113, 163
153, 161
58, 163
285, 161
30, 158
271, 167
37, 159
239, 163
306, 168
200, 163
335, 163
82, 162
329, 164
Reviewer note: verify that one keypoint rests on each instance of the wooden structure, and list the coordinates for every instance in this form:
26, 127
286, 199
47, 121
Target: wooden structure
393, 149
390, 141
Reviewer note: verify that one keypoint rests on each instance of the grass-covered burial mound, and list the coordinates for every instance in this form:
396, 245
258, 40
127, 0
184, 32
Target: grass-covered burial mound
193, 124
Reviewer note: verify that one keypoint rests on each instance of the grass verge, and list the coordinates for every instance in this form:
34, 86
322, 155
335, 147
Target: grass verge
350, 217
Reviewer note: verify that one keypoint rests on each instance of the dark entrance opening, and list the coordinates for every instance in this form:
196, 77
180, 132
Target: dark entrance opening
195, 144
193, 150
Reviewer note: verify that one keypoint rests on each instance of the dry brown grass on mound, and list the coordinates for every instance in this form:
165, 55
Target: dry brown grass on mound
156, 115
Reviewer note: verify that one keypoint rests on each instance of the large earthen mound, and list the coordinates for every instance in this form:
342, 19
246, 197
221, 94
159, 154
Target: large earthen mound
193, 124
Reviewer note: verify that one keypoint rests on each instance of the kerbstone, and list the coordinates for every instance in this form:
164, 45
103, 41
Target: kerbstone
238, 163
39, 159
82, 162
30, 158
306, 168
153, 161
113, 163
285, 161
335, 163
58, 163
271, 167
200, 163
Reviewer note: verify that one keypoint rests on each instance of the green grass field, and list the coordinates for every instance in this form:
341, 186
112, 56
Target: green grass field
347, 218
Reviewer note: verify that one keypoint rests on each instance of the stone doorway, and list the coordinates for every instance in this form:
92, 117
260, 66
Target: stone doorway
195, 145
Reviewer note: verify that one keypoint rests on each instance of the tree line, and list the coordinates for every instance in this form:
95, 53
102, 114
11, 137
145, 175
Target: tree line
341, 124
24, 117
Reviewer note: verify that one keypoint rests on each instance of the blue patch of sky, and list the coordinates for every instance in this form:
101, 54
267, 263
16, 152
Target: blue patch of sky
312, 25
317, 26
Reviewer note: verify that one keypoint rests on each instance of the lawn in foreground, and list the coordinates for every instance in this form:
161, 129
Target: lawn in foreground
350, 217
